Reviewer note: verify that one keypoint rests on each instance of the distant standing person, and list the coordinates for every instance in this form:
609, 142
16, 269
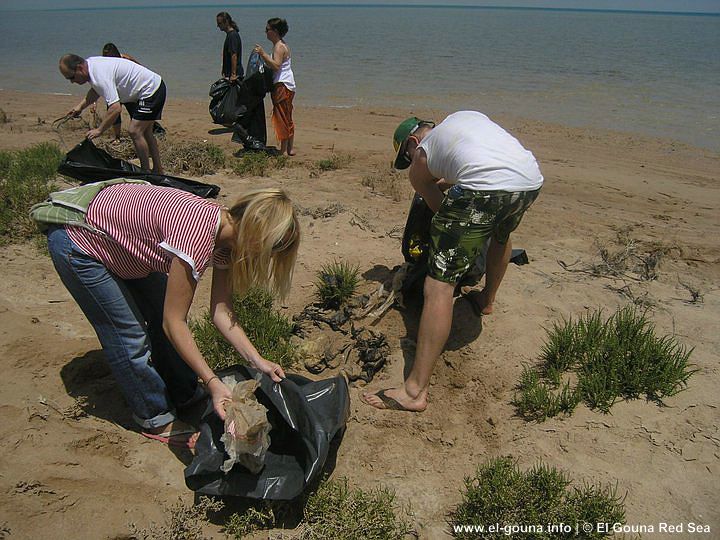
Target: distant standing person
232, 48
284, 83
121, 81
110, 50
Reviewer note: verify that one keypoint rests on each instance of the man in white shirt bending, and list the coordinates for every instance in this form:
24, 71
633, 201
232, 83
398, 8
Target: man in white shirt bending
121, 81
492, 180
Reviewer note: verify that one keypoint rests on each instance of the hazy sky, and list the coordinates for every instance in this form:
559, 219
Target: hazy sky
708, 6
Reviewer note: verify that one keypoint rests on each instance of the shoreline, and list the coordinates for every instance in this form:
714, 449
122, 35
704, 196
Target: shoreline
179, 107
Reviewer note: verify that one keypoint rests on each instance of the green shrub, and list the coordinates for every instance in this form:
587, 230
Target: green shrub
268, 330
258, 164
500, 493
617, 358
25, 180
336, 283
334, 511
334, 162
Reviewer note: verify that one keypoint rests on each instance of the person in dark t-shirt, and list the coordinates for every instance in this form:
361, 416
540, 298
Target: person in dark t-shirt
232, 48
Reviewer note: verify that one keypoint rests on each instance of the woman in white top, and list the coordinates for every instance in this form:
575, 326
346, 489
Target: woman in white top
284, 88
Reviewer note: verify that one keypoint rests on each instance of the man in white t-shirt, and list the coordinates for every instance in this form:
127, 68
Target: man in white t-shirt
121, 81
490, 181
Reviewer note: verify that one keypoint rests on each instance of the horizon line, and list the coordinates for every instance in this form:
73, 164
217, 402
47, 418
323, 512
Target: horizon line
372, 5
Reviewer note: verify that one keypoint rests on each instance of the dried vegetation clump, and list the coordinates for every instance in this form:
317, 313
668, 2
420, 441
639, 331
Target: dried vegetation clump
191, 158
183, 522
194, 158
389, 183
625, 258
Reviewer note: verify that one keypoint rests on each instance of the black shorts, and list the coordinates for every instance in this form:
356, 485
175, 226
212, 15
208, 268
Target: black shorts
150, 108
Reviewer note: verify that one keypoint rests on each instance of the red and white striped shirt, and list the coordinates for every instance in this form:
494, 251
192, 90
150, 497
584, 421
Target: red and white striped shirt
146, 226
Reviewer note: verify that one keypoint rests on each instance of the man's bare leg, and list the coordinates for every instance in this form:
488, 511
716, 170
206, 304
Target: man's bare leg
435, 323
137, 131
154, 150
498, 258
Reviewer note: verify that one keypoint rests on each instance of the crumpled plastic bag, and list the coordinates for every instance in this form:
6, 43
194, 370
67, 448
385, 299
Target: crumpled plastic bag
247, 428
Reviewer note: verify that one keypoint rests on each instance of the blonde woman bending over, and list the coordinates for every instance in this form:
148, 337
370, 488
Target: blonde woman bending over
156, 243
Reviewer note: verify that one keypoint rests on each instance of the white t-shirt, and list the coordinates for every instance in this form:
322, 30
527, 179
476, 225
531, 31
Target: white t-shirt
469, 149
118, 79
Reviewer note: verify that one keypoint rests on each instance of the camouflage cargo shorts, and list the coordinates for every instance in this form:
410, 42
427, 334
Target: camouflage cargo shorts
465, 221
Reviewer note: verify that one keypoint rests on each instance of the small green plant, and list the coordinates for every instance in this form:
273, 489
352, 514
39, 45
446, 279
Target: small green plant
336, 283
335, 511
25, 179
268, 330
333, 163
258, 164
528, 504
183, 523
617, 358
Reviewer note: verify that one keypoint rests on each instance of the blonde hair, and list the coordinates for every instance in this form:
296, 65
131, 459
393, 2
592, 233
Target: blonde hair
267, 236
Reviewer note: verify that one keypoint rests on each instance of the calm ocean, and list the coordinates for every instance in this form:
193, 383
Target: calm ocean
657, 74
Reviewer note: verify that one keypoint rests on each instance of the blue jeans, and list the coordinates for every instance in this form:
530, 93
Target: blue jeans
107, 302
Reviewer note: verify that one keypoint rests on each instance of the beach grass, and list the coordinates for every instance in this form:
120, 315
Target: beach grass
336, 511
258, 164
500, 493
336, 283
266, 328
25, 179
621, 357
333, 162
333, 510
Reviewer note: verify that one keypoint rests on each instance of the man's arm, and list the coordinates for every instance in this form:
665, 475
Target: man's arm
90, 98
424, 182
112, 113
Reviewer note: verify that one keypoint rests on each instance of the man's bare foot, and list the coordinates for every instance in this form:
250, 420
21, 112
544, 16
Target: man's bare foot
478, 301
396, 399
291, 152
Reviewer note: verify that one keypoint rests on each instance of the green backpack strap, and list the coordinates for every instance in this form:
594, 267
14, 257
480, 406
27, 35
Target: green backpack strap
70, 206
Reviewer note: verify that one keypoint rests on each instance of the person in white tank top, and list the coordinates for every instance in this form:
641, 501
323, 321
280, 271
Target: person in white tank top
284, 83
479, 181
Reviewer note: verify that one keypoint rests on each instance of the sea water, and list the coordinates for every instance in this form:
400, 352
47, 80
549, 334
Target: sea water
650, 73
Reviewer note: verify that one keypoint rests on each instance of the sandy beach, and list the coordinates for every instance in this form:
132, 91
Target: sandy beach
74, 466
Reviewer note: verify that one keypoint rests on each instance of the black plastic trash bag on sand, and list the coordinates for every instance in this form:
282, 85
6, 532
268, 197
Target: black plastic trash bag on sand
416, 244
308, 420
240, 104
88, 163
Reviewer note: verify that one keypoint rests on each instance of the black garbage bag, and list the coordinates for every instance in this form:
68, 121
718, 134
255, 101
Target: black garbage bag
88, 163
241, 102
308, 420
416, 247
225, 105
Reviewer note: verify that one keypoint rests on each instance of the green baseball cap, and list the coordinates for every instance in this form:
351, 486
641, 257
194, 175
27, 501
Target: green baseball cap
404, 130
